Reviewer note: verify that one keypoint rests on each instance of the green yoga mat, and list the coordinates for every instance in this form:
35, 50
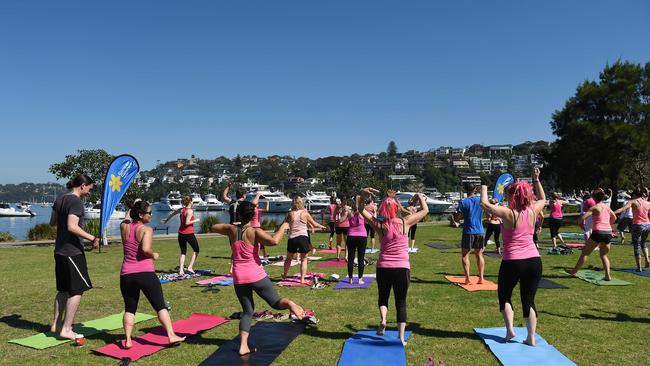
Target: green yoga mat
597, 278
111, 322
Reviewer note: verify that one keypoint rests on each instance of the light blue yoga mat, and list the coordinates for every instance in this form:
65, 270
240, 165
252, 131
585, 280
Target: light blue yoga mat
515, 353
367, 348
644, 273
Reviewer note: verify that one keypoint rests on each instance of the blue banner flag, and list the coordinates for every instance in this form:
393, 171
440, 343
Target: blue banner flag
119, 176
504, 181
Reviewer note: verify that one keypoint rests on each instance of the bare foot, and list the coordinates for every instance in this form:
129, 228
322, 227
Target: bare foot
647, 264
128, 344
244, 350
529, 342
190, 270
382, 329
468, 281
607, 278
403, 342
175, 339
480, 281
509, 336
182, 273
68, 334
572, 273
639, 269
54, 328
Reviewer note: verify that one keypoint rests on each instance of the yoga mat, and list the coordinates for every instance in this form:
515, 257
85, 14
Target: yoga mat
485, 286
597, 278
294, 281
344, 284
281, 263
111, 322
516, 353
329, 251
441, 246
573, 245
367, 348
491, 253
544, 283
213, 280
332, 263
156, 340
269, 338
173, 277
644, 273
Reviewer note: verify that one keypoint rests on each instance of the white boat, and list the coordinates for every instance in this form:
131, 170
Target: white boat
435, 205
277, 201
24, 205
94, 212
171, 202
6, 210
316, 201
211, 203
196, 199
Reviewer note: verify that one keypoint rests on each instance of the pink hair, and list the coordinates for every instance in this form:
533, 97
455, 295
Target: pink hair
388, 208
520, 195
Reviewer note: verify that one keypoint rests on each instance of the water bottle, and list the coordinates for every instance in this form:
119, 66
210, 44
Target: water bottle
430, 362
168, 305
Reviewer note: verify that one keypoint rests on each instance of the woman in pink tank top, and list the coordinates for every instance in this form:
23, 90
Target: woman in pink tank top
248, 273
521, 261
555, 217
601, 236
186, 234
256, 220
299, 219
138, 273
640, 226
393, 267
331, 214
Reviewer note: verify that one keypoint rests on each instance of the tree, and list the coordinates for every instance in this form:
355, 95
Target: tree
604, 130
392, 149
351, 177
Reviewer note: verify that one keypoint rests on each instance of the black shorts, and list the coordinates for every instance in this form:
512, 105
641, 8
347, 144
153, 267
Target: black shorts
472, 241
299, 244
601, 237
370, 230
624, 223
332, 227
341, 230
71, 274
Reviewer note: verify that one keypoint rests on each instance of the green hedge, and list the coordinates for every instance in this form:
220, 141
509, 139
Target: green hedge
207, 223
42, 232
6, 236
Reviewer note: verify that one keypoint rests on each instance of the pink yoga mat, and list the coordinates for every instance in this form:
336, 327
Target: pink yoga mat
213, 280
294, 281
153, 342
574, 245
332, 263
329, 251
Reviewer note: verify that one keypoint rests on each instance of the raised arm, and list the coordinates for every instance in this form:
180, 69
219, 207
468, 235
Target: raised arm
414, 218
256, 200
265, 239
365, 194
541, 196
224, 194
496, 210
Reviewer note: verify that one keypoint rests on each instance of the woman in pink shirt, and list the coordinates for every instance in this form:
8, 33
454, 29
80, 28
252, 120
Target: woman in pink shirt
393, 267
640, 225
331, 212
555, 217
521, 261
601, 235
248, 273
138, 273
357, 241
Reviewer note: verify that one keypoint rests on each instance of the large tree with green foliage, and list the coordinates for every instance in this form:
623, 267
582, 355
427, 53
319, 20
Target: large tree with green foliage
391, 150
604, 130
351, 177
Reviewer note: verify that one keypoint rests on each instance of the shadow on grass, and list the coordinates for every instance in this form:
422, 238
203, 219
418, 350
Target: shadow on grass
316, 332
618, 317
416, 328
218, 257
420, 280
17, 321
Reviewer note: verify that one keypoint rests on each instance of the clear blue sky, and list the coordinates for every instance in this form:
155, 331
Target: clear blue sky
167, 79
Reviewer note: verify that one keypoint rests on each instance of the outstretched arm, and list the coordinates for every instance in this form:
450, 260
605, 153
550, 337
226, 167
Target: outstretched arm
367, 193
496, 210
541, 196
265, 239
169, 217
625, 207
310, 220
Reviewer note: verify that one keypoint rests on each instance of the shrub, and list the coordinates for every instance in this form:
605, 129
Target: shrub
6, 236
207, 223
268, 224
42, 232
92, 227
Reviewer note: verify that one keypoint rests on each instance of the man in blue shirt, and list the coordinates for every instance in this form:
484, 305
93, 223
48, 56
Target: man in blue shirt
470, 209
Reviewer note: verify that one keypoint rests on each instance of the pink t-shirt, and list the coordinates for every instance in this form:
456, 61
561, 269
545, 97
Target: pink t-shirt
344, 223
589, 203
332, 208
135, 260
255, 221
518, 242
297, 227
556, 210
640, 214
601, 220
357, 225
246, 263
394, 246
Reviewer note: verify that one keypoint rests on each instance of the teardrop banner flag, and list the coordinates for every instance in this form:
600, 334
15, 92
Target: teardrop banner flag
119, 176
504, 181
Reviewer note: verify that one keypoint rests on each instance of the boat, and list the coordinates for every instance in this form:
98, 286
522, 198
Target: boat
94, 212
24, 205
6, 210
316, 201
196, 199
171, 202
211, 203
435, 205
275, 201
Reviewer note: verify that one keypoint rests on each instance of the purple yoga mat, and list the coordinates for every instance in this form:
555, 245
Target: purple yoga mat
344, 284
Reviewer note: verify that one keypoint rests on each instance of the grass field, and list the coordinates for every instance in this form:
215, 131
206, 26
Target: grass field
592, 325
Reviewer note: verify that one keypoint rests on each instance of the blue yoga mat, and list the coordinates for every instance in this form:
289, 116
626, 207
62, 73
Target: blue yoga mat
367, 348
644, 273
516, 353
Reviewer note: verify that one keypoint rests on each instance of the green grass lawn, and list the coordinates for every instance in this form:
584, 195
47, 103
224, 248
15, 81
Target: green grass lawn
592, 325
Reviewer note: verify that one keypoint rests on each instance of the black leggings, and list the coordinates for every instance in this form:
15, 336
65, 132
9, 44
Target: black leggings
399, 279
529, 272
412, 231
496, 229
183, 239
554, 225
264, 288
332, 226
357, 243
148, 282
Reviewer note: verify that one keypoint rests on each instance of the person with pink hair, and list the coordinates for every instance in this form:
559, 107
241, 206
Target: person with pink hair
521, 261
393, 267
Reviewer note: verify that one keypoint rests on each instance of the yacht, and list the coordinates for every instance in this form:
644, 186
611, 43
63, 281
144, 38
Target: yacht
316, 201
435, 205
24, 205
211, 203
171, 202
277, 201
196, 199
6, 210
94, 212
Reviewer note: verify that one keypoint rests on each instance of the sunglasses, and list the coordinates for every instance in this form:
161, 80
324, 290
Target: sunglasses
148, 213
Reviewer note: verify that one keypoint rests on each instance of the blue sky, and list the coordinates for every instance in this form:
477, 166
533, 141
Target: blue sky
167, 79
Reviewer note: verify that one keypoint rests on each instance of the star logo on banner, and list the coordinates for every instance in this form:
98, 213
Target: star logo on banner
500, 188
115, 183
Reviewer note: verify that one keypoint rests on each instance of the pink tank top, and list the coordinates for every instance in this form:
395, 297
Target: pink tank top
344, 223
589, 203
246, 263
357, 225
186, 229
640, 214
297, 227
556, 210
394, 246
601, 220
255, 221
518, 241
332, 207
135, 260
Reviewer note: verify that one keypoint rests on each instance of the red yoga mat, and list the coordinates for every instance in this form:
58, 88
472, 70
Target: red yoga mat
153, 342
332, 263
330, 251
574, 245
